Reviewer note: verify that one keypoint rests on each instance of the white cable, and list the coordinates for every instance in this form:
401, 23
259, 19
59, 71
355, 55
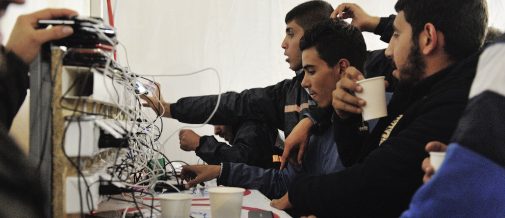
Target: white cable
143, 149
124, 212
213, 111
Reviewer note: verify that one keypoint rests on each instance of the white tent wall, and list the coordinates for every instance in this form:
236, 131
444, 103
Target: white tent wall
239, 38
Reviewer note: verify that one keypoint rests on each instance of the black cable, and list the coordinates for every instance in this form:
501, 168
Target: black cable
77, 166
136, 205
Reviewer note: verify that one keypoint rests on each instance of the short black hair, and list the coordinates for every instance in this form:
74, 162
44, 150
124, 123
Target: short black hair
463, 22
334, 40
309, 13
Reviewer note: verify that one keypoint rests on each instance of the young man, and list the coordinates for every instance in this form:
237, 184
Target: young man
21, 192
376, 64
327, 51
435, 57
278, 106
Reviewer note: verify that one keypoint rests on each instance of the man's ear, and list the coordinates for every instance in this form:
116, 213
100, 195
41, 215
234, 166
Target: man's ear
430, 39
341, 66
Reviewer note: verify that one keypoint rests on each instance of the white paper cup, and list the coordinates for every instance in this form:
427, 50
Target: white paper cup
226, 201
436, 159
374, 93
175, 205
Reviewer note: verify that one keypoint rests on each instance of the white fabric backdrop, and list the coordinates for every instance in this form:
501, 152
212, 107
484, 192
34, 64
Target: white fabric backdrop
240, 38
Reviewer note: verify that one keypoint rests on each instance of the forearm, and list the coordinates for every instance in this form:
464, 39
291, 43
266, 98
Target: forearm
371, 24
263, 104
272, 183
215, 152
385, 28
349, 138
196, 110
320, 117
233, 108
166, 110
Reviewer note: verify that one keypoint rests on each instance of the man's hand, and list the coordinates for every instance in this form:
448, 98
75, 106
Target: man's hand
195, 174
344, 101
25, 40
427, 167
360, 19
281, 203
189, 140
156, 102
297, 139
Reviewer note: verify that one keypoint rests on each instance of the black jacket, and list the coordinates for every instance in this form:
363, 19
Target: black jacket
279, 106
20, 188
252, 144
13, 85
389, 172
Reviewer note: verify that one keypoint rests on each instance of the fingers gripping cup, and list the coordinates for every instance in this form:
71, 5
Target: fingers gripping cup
374, 93
175, 205
226, 201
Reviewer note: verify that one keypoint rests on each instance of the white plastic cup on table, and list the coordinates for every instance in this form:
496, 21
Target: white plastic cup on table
175, 205
226, 201
436, 159
374, 93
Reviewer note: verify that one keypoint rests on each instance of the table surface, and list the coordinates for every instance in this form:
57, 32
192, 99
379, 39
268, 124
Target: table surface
200, 208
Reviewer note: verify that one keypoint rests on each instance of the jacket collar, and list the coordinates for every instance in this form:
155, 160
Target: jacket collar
424, 86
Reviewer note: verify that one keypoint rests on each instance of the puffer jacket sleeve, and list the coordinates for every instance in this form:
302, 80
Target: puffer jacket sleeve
273, 183
252, 145
262, 104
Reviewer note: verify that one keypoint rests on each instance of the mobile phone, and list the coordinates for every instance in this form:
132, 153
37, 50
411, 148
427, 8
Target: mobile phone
45, 23
260, 214
140, 89
88, 32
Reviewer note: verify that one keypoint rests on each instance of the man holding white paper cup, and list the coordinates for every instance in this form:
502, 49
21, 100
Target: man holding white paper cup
470, 181
432, 163
435, 54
